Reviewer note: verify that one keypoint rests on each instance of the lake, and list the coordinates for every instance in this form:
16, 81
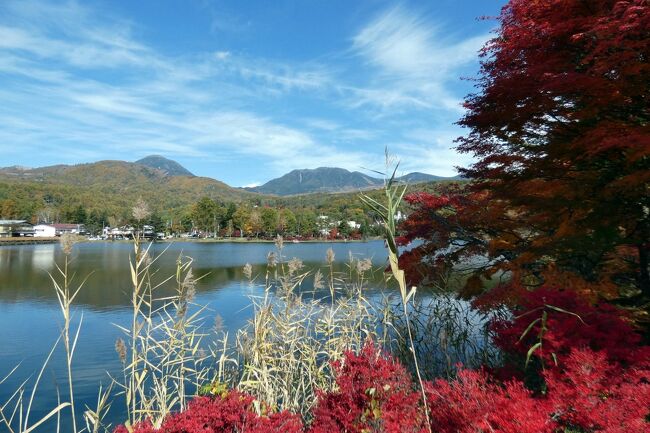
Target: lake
30, 319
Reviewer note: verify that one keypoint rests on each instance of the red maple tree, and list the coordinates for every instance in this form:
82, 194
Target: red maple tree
560, 131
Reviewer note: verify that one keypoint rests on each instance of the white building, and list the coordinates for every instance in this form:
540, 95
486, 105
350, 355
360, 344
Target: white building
44, 231
354, 225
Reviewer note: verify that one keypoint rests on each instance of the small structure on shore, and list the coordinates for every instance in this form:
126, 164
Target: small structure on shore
77, 229
15, 228
44, 231
128, 232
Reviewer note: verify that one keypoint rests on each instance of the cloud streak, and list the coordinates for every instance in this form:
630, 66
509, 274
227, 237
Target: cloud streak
412, 60
77, 85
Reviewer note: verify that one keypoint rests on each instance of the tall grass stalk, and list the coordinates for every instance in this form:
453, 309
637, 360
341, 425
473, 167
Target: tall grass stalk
387, 212
164, 362
65, 297
287, 348
15, 412
95, 417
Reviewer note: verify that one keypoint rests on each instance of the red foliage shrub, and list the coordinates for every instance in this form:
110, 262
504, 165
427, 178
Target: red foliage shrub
143, 427
375, 393
593, 395
597, 373
472, 403
600, 327
586, 394
232, 413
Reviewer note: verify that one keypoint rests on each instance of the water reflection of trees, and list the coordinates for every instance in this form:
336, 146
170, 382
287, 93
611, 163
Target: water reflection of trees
24, 275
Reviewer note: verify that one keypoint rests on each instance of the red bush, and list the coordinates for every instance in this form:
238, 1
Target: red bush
375, 393
578, 324
591, 394
232, 413
471, 403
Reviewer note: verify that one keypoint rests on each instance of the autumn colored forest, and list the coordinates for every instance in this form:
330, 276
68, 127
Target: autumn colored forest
180, 204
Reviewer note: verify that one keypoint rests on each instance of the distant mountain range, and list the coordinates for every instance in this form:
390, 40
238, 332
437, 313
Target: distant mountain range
166, 184
330, 179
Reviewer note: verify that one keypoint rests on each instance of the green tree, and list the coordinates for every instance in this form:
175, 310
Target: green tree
186, 222
96, 221
306, 222
230, 210
241, 217
205, 214
77, 215
159, 225
364, 230
287, 222
344, 229
269, 221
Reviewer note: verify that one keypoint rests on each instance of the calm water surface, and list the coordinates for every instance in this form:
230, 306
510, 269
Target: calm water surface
30, 319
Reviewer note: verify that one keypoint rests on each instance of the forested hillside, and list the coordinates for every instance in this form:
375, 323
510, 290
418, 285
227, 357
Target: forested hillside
104, 194
107, 186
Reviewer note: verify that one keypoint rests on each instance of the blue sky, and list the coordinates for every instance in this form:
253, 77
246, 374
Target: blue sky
241, 91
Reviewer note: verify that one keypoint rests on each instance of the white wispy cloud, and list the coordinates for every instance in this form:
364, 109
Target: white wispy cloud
430, 151
413, 60
76, 83
160, 103
285, 147
68, 32
287, 76
401, 43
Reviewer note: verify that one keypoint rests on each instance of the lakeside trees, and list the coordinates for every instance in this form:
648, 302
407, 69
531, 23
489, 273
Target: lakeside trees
252, 220
559, 129
288, 216
210, 218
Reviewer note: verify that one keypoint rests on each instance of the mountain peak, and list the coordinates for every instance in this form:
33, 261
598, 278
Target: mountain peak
331, 179
169, 167
321, 179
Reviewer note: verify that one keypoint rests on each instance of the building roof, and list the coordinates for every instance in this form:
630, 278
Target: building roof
11, 222
66, 226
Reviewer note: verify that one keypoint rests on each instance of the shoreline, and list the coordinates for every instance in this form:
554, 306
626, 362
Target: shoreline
43, 241
268, 241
